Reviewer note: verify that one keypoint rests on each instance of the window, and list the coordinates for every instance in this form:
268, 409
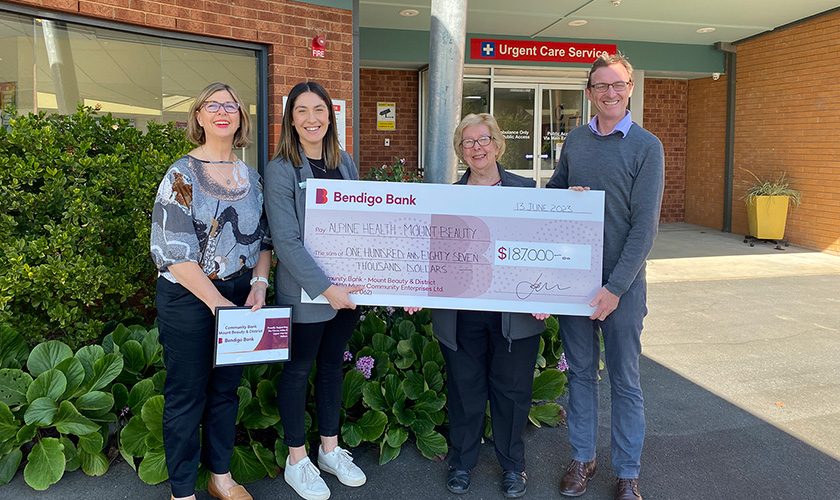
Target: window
475, 97
52, 65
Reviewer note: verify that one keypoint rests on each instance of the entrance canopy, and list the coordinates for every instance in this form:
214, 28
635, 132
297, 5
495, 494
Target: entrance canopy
668, 36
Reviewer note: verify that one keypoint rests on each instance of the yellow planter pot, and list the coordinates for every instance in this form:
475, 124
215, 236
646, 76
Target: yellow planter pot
767, 216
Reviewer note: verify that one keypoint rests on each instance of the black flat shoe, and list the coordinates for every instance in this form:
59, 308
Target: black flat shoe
458, 481
513, 483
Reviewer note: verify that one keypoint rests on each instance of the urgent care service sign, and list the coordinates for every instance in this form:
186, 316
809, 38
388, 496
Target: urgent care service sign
534, 51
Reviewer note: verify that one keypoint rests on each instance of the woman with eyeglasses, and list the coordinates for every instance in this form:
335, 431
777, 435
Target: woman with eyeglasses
308, 148
211, 246
488, 355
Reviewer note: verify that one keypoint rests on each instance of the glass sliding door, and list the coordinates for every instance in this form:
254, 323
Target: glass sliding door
535, 120
561, 111
514, 109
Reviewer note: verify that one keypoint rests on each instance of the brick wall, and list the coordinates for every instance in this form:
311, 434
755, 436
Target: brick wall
387, 85
706, 138
787, 118
666, 106
286, 27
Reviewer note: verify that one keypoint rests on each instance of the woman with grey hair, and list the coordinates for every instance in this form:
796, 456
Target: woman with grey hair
488, 355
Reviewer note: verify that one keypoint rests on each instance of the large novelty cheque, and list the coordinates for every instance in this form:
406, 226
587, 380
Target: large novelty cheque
483, 248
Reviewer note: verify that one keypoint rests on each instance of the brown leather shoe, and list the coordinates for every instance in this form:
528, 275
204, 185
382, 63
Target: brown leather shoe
237, 492
628, 489
573, 482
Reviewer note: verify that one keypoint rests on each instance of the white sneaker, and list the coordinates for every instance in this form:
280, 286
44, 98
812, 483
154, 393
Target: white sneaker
339, 463
306, 480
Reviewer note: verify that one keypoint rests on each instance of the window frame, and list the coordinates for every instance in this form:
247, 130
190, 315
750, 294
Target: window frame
260, 50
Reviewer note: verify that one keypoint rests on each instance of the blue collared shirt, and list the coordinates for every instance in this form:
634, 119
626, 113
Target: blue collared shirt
623, 126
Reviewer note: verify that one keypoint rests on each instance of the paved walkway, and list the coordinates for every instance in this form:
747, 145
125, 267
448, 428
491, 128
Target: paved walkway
742, 391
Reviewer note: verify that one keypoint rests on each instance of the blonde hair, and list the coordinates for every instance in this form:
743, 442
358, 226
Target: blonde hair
195, 133
287, 146
472, 120
605, 60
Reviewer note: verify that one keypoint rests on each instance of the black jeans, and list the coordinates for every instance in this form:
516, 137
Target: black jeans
195, 393
486, 366
324, 342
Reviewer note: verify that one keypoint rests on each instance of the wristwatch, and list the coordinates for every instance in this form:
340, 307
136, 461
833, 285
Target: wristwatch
259, 278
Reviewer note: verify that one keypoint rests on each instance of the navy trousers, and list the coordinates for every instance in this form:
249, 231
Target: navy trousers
195, 393
487, 366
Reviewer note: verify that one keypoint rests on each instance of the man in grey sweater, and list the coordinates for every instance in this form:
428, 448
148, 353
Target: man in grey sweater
627, 162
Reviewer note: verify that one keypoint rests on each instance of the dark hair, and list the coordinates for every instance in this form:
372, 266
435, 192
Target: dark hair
195, 133
287, 146
605, 60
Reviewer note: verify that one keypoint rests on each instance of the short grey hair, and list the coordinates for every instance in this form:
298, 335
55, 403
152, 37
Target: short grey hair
472, 120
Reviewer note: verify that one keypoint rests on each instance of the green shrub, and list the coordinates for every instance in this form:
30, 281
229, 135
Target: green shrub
397, 398
77, 192
402, 398
61, 411
398, 172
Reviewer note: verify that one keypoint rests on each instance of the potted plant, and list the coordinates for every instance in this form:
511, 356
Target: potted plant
767, 205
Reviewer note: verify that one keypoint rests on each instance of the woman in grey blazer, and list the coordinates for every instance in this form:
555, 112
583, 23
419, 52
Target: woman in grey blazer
308, 148
488, 355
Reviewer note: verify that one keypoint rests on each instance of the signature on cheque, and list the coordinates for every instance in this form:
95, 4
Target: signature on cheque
524, 289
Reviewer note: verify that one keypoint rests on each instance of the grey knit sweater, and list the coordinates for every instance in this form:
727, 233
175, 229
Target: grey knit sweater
631, 171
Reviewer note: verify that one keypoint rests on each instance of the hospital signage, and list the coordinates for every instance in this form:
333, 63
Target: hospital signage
535, 51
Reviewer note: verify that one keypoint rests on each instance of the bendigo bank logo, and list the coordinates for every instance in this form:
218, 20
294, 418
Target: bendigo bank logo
364, 198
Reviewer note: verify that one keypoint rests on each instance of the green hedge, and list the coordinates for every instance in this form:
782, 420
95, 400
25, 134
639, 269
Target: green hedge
77, 193
61, 411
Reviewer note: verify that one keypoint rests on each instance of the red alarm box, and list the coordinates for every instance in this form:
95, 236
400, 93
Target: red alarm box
318, 46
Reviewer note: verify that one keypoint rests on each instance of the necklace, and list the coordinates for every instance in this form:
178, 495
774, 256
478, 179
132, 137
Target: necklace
319, 167
214, 163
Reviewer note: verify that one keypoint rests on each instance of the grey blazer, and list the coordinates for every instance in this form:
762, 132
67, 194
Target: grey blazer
285, 203
515, 326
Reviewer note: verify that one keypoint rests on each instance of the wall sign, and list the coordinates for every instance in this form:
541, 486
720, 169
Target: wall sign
7, 96
340, 107
386, 116
535, 51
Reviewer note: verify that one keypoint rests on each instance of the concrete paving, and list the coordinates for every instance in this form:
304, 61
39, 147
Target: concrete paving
741, 380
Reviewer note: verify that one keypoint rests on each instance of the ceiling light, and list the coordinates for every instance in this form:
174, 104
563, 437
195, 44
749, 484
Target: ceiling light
705, 30
616, 3
579, 22
409, 12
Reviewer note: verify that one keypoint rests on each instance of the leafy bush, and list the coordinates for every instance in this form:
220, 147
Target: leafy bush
398, 172
78, 192
59, 406
397, 388
63, 410
60, 411
401, 390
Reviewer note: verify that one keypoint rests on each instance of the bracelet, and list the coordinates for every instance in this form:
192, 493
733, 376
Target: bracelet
259, 278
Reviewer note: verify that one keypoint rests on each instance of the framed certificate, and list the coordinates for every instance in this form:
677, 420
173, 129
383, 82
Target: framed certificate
244, 337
